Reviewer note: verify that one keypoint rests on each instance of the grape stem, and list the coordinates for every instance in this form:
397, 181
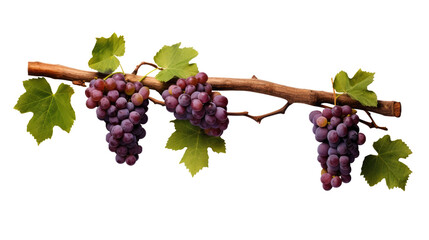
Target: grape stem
156, 101
145, 63
292, 95
371, 124
259, 118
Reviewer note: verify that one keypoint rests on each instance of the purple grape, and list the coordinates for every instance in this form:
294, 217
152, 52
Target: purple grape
175, 91
337, 111
117, 131
123, 114
321, 134
208, 88
128, 138
127, 125
171, 103
143, 119
346, 178
181, 83
114, 120
355, 118
327, 113
342, 130
204, 97
196, 105
221, 114
121, 103
348, 121
336, 182
113, 96
112, 111
110, 84
344, 160
327, 187
181, 110
342, 149
333, 136
322, 149
190, 89
346, 110
119, 159
184, 100
101, 114
201, 77
312, 114
335, 121
326, 178
361, 139
134, 117
165, 94
130, 106
220, 101
120, 86
333, 160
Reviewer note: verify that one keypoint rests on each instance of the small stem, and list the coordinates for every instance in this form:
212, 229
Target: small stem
156, 101
259, 118
123, 72
333, 89
144, 63
148, 74
371, 124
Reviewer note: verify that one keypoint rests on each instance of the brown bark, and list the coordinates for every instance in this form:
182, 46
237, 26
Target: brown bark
292, 95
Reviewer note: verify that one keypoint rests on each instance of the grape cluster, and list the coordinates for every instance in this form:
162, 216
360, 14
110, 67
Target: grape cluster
193, 99
338, 133
122, 106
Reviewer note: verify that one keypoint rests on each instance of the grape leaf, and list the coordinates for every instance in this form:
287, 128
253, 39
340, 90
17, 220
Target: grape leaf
48, 109
356, 87
386, 164
196, 143
175, 62
104, 54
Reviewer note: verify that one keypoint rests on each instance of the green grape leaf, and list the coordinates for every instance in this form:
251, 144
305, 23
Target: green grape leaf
48, 109
104, 55
196, 143
386, 164
357, 87
175, 62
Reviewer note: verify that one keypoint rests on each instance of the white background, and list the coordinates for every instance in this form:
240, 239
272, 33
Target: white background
267, 184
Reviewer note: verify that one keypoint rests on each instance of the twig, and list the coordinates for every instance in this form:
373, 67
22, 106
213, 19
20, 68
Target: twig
371, 124
145, 63
156, 101
259, 118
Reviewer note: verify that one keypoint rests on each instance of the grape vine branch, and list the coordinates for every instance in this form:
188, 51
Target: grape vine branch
291, 94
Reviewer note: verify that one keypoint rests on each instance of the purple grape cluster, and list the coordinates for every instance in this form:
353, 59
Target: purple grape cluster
338, 133
193, 99
122, 106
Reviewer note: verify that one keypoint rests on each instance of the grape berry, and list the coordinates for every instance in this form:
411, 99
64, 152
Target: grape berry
193, 99
122, 106
338, 133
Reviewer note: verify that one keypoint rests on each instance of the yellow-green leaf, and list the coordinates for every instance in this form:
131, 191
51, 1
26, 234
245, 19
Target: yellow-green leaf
175, 62
48, 109
356, 87
104, 55
386, 164
196, 143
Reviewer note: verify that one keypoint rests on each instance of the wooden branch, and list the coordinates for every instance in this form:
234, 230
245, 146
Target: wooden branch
293, 95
